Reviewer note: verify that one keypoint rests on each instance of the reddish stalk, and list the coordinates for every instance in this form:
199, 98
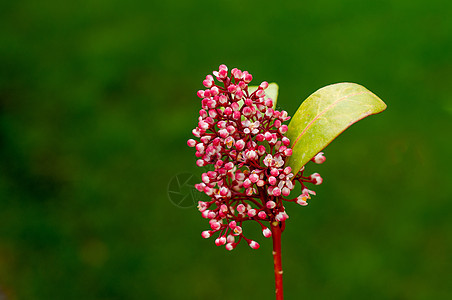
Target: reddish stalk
276, 236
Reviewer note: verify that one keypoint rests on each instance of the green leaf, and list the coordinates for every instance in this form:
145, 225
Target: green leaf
326, 114
271, 91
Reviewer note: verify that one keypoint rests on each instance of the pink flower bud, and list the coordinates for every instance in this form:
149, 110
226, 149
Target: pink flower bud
223, 133
209, 120
213, 113
270, 204
232, 88
211, 215
205, 214
203, 113
274, 138
242, 85
267, 232
254, 178
262, 215
286, 141
261, 150
319, 158
229, 247
200, 94
230, 129
227, 111
269, 113
268, 136
260, 137
272, 180
200, 163
236, 115
196, 132
254, 245
283, 129
236, 73
285, 191
241, 208
200, 147
274, 172
200, 186
205, 234
215, 226
205, 139
251, 154
247, 77
207, 83
269, 103
191, 143
316, 179
247, 111
220, 241
209, 191
222, 99
247, 183
214, 91
240, 144
224, 191
276, 191
230, 239
264, 85
211, 103
288, 152
284, 116
203, 125
228, 166
239, 176
280, 217
251, 213
232, 224
222, 74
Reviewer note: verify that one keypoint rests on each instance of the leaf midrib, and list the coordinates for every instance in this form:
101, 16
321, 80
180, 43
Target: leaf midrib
323, 112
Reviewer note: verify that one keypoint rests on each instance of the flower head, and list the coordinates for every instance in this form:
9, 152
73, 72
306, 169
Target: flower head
242, 137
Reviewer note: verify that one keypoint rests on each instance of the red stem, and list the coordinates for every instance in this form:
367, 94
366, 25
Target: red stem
276, 235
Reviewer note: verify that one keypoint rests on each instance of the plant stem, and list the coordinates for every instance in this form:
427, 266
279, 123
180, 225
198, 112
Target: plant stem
276, 236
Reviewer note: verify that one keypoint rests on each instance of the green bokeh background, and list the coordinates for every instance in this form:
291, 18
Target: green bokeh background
97, 100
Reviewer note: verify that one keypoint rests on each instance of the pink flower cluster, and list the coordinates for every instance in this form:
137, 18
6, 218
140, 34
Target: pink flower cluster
241, 135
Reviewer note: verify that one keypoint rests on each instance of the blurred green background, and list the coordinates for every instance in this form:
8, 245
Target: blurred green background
97, 100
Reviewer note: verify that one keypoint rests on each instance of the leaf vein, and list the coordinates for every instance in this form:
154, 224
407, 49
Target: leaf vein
323, 112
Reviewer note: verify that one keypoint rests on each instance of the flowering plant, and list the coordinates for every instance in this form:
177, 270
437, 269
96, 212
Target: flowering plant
257, 160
